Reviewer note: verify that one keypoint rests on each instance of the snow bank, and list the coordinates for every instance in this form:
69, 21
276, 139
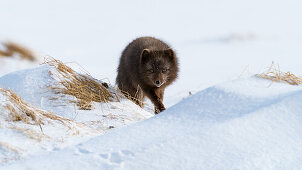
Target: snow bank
12, 64
243, 124
35, 119
25, 130
34, 87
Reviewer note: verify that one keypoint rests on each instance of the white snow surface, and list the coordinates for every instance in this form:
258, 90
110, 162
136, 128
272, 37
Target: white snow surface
34, 87
254, 126
13, 64
248, 123
22, 138
19, 139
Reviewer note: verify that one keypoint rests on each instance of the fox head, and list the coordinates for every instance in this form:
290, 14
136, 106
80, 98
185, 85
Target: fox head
158, 67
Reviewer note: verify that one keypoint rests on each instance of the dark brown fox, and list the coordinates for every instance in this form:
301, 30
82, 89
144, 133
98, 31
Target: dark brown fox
147, 66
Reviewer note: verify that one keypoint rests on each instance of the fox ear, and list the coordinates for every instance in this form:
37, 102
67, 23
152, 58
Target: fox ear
170, 54
145, 55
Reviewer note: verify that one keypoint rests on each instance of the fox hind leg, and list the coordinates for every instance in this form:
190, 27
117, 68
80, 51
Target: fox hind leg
134, 94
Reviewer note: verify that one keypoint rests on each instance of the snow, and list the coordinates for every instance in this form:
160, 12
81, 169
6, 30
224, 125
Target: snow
12, 64
21, 138
217, 128
233, 120
70, 124
34, 87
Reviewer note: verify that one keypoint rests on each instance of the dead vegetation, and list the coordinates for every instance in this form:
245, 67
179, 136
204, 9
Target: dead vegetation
83, 87
9, 147
274, 74
15, 152
21, 111
11, 49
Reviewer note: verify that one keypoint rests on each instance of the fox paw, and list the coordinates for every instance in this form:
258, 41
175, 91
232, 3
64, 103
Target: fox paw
158, 110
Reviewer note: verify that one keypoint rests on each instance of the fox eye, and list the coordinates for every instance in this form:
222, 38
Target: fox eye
164, 70
150, 71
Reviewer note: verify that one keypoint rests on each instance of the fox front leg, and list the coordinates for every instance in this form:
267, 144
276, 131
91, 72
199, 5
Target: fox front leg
156, 100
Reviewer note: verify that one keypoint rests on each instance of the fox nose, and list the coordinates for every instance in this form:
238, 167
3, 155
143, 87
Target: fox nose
157, 82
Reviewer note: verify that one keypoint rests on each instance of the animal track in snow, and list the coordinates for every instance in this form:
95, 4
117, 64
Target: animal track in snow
127, 153
80, 151
117, 157
83, 151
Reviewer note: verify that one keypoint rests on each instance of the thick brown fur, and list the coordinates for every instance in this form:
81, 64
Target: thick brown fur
147, 66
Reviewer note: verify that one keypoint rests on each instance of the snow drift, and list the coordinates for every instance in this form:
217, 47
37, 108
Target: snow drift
35, 117
36, 86
25, 130
244, 124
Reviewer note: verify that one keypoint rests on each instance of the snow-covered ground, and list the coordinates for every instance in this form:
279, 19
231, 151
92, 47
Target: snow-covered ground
25, 130
34, 87
48, 120
241, 123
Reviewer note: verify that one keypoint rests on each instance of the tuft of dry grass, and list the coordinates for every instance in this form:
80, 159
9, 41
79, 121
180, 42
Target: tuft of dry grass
21, 111
9, 147
84, 88
12, 48
274, 74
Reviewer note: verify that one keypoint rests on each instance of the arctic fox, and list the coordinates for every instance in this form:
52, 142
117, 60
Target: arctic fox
147, 66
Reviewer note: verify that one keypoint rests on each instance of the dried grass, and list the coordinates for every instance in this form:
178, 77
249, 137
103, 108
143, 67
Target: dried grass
84, 88
274, 74
12, 49
30, 133
21, 111
9, 147
15, 152
134, 99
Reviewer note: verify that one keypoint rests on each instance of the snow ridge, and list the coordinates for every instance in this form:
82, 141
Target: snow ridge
218, 128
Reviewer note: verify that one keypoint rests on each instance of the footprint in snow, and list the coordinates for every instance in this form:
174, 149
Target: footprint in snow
104, 156
81, 151
117, 157
127, 153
